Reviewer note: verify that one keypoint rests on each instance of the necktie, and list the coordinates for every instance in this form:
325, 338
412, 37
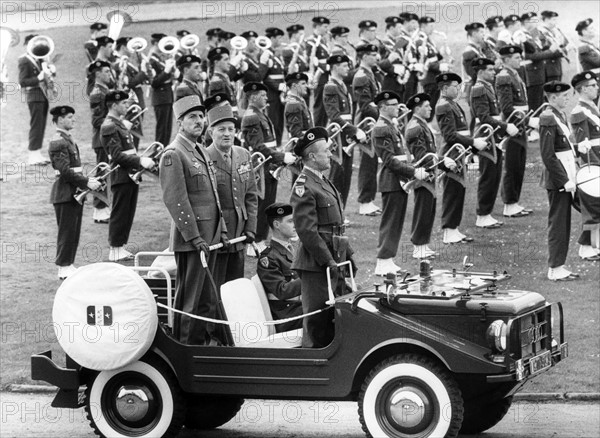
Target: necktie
227, 162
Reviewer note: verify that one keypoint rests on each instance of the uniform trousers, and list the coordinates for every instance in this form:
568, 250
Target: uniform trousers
68, 219
453, 201
229, 266
490, 175
123, 211
101, 157
535, 96
164, 123
393, 206
341, 176
38, 112
283, 309
423, 216
559, 227
367, 178
434, 92
195, 295
319, 113
412, 86
275, 111
515, 158
262, 226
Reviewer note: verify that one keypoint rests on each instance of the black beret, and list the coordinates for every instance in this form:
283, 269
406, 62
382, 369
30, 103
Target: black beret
104, 40
392, 20
511, 19
62, 110
28, 38
249, 34
556, 87
583, 24
337, 59
252, 87
386, 95
365, 48
584, 76
339, 30
122, 41
311, 136
294, 28
213, 32
528, 16
509, 50
226, 35
116, 96
417, 99
426, 19
292, 78
548, 14
278, 209
448, 77
481, 63
187, 59
321, 20
492, 21
98, 26
273, 32
217, 52
408, 16
214, 100
474, 26
365, 24
157, 36
182, 33
97, 65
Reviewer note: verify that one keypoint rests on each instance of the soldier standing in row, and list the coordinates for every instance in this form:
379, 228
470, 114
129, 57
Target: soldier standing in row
473, 51
97, 30
162, 92
272, 72
588, 51
190, 67
317, 54
298, 118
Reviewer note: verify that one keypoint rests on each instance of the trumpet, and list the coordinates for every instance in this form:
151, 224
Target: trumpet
459, 159
370, 151
80, 195
486, 128
154, 151
294, 167
40, 48
409, 185
259, 172
189, 42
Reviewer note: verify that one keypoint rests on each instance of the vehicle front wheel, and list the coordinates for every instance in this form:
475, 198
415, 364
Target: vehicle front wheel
142, 399
410, 396
483, 416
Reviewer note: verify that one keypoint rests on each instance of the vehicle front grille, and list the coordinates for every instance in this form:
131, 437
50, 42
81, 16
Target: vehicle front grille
534, 332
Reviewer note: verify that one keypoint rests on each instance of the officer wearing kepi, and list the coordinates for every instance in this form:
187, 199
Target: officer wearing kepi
319, 219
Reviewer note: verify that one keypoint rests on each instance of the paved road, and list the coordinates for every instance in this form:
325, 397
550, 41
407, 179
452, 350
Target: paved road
30, 415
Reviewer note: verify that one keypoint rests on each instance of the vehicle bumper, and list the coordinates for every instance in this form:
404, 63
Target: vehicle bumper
66, 379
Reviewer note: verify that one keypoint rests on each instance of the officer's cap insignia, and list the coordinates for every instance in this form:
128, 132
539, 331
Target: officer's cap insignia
310, 136
218, 98
417, 99
218, 50
280, 211
188, 58
445, 77
386, 95
588, 76
264, 262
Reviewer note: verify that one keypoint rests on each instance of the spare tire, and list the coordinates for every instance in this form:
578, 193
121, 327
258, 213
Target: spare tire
105, 316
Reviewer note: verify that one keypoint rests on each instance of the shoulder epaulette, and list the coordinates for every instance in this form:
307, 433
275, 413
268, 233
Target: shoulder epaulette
108, 127
577, 115
547, 118
442, 106
478, 90
503, 78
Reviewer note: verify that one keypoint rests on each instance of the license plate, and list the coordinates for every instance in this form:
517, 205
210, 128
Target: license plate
540, 363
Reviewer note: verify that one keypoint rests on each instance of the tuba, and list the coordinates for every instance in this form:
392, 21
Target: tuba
169, 45
189, 42
40, 48
117, 20
263, 42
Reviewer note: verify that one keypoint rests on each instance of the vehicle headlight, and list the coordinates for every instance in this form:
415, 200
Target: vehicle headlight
496, 335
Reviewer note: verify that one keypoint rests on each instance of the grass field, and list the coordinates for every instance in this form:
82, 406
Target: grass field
28, 223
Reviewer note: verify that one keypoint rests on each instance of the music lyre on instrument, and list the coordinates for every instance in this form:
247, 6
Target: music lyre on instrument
154, 151
258, 162
366, 146
293, 167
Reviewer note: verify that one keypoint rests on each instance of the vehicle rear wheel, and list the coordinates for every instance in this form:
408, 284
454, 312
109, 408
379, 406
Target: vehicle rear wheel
210, 412
483, 416
142, 399
409, 395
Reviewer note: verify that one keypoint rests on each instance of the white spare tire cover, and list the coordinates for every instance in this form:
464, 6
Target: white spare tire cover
105, 316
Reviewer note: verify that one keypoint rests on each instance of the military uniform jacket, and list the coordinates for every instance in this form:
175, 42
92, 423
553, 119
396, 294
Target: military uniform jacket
511, 91
432, 58
317, 208
29, 69
117, 140
420, 141
91, 49
585, 123
189, 187
554, 142
536, 52
135, 79
321, 51
364, 89
484, 106
274, 268
553, 66
220, 83
589, 56
301, 64
99, 112
453, 124
338, 105
387, 142
236, 186
162, 83
272, 75
65, 159
471, 52
298, 118
188, 88
258, 134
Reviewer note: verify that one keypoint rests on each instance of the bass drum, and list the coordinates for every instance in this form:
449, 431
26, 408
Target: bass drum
588, 191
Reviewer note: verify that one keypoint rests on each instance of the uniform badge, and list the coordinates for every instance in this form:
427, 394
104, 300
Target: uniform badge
197, 165
299, 190
168, 160
264, 262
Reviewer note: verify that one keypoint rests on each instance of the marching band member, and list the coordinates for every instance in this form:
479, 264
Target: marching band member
182, 52
367, 33
162, 91
105, 46
339, 43
189, 190
251, 55
236, 187
97, 30
274, 268
512, 23
559, 177
395, 72
494, 25
419, 142
258, 134
364, 89
319, 221
31, 75
66, 161
585, 124
272, 72
473, 51
117, 140
453, 126
295, 59
485, 110
298, 118
317, 55
212, 40
223, 77
512, 95
553, 66
388, 144
410, 27
190, 67
588, 51
100, 70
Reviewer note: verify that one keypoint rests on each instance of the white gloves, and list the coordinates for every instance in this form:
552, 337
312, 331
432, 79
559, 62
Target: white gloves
236, 60
450, 163
421, 174
282, 88
418, 67
512, 130
289, 158
394, 56
360, 135
444, 67
41, 76
584, 146
570, 186
399, 69
147, 163
265, 57
479, 143
534, 122
169, 65
93, 183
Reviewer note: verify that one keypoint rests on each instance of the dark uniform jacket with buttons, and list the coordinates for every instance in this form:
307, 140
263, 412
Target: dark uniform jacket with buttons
364, 89
585, 124
117, 140
453, 124
189, 187
395, 158
537, 52
257, 129
553, 66
162, 83
511, 91
484, 106
272, 75
65, 159
318, 209
29, 69
420, 141
236, 186
298, 118
589, 55
135, 79
433, 58
471, 52
337, 101
99, 112
220, 83
552, 141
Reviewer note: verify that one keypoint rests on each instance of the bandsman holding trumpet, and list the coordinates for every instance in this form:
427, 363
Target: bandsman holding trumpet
585, 124
293, 55
410, 25
298, 118
105, 46
66, 161
164, 66
117, 140
392, 63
